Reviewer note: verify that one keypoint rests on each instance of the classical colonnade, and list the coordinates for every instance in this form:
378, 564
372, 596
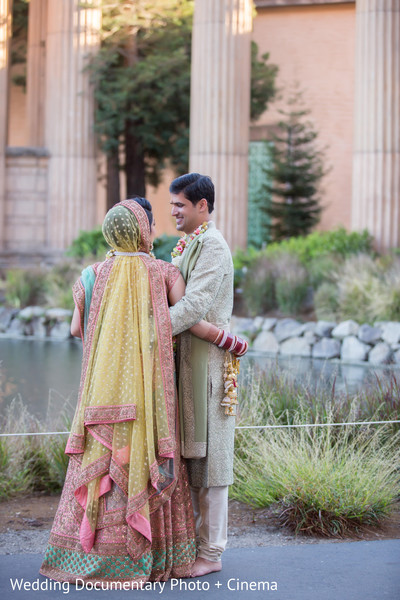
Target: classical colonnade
62, 152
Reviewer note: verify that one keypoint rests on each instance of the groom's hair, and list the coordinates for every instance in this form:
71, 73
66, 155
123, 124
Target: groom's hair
194, 187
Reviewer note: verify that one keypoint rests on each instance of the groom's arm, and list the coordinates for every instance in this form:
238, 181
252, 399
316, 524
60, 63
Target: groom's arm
202, 287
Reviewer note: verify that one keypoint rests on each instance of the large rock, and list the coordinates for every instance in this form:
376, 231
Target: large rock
368, 334
266, 342
324, 328
241, 325
288, 328
6, 315
396, 357
58, 314
353, 349
390, 332
310, 337
269, 323
39, 329
16, 328
61, 331
381, 354
296, 346
310, 327
31, 312
345, 329
326, 348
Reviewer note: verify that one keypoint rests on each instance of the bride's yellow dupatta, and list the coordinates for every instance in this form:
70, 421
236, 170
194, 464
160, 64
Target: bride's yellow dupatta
124, 426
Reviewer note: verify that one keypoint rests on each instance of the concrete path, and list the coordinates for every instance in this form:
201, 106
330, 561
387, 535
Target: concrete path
340, 571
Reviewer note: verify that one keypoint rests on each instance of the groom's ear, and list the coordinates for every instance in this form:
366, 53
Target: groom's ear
203, 206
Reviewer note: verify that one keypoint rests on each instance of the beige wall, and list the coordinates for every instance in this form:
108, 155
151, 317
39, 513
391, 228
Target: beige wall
315, 45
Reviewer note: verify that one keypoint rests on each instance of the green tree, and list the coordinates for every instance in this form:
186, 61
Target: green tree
294, 174
141, 78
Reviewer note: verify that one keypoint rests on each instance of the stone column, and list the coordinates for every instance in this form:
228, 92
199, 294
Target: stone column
72, 35
36, 71
220, 108
376, 162
5, 35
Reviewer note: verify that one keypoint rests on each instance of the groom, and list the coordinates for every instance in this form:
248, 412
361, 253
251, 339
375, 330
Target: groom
206, 264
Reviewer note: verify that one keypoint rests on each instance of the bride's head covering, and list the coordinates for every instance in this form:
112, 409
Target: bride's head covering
127, 226
124, 426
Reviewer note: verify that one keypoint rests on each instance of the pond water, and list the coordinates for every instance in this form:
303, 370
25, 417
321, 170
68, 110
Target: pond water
45, 374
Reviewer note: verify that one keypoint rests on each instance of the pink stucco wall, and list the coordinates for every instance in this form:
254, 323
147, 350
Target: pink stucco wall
315, 46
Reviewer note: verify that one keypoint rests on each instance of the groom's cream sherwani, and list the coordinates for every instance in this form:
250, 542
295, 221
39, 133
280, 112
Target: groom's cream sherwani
209, 296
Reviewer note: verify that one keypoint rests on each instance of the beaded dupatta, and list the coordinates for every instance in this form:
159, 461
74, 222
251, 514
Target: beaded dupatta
124, 425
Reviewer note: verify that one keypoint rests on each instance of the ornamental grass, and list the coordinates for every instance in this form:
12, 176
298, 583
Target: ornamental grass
32, 463
329, 481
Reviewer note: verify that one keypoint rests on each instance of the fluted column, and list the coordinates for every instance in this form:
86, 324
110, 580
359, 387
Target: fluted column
220, 108
5, 35
72, 35
376, 162
36, 71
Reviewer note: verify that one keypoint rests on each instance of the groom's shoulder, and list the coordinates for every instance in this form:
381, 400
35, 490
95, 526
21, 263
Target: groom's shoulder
215, 236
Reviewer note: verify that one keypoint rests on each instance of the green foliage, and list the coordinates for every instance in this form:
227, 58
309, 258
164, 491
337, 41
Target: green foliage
259, 286
297, 168
141, 80
24, 287
326, 481
32, 463
163, 246
89, 244
321, 243
326, 302
262, 84
291, 283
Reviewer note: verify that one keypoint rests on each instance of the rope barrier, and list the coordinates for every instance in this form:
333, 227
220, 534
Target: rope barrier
237, 427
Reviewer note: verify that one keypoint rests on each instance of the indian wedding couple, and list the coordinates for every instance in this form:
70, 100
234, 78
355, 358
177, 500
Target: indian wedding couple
151, 445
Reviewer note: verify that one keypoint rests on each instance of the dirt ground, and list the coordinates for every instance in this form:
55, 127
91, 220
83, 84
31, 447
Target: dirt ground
247, 526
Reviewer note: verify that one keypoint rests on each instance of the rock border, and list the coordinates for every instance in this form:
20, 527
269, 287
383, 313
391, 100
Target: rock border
347, 341
36, 322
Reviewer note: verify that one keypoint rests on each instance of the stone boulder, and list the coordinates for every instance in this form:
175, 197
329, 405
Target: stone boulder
390, 332
266, 342
16, 328
6, 315
326, 348
58, 314
344, 329
353, 349
288, 328
61, 331
396, 357
324, 328
269, 323
381, 354
31, 312
296, 346
368, 334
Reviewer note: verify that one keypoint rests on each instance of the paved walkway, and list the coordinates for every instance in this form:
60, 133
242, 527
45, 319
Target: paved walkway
342, 571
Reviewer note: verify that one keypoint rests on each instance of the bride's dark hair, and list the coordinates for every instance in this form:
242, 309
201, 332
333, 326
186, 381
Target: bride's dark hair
145, 204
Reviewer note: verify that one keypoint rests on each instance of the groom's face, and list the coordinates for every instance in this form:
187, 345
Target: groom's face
188, 216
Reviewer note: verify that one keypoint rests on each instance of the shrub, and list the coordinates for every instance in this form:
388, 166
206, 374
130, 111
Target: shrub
291, 283
259, 286
326, 302
320, 243
24, 287
163, 246
326, 480
89, 244
59, 283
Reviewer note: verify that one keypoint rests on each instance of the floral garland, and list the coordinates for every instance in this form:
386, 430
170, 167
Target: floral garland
184, 241
232, 367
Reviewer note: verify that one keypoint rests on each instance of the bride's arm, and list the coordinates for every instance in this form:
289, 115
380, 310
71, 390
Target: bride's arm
207, 331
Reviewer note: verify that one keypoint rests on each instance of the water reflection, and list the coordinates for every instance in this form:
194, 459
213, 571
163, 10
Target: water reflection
38, 370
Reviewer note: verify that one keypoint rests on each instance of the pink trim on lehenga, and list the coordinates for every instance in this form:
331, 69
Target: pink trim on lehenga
141, 524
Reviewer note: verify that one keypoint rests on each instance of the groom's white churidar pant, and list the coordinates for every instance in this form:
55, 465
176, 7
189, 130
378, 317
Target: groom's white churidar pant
210, 506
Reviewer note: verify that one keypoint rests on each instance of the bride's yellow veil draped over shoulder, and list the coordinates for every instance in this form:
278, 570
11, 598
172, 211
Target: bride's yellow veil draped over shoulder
124, 426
